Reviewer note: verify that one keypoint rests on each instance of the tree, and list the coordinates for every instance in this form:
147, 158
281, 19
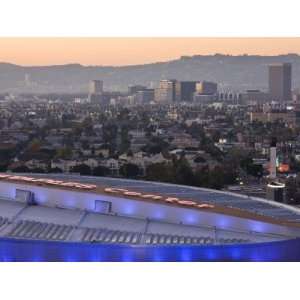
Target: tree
156, 145
235, 156
183, 171
123, 115
129, 170
21, 169
82, 169
109, 132
87, 126
64, 153
125, 140
216, 178
100, 171
163, 172
201, 177
251, 168
37, 170
294, 164
3, 167
34, 146
55, 170
210, 148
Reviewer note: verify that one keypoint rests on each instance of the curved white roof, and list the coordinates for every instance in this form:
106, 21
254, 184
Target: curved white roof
228, 199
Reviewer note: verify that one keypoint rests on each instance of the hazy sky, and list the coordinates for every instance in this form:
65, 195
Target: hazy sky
128, 51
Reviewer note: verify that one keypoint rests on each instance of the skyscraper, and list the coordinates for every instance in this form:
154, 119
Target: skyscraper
206, 88
170, 91
280, 81
96, 87
96, 91
206, 91
133, 89
184, 91
166, 92
145, 96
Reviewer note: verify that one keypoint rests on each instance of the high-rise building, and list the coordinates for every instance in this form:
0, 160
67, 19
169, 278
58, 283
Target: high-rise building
96, 91
96, 87
166, 91
205, 92
254, 97
280, 82
145, 96
206, 88
184, 91
133, 89
27, 80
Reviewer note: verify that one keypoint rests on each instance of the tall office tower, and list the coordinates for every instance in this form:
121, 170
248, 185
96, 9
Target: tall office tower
133, 89
206, 88
96, 87
280, 82
254, 97
27, 80
273, 159
166, 91
205, 92
184, 91
145, 96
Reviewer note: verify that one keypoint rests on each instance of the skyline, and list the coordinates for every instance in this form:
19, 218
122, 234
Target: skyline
133, 51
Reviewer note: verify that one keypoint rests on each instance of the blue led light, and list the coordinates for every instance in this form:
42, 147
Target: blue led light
69, 202
223, 222
127, 256
28, 250
235, 253
129, 209
190, 219
158, 214
6, 258
186, 254
211, 254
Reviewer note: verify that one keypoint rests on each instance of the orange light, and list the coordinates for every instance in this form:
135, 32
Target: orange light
283, 168
205, 205
132, 194
81, 186
49, 181
187, 202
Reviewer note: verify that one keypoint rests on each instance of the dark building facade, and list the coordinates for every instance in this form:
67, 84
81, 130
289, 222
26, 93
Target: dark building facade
254, 96
184, 91
207, 88
96, 87
280, 82
133, 89
145, 96
104, 98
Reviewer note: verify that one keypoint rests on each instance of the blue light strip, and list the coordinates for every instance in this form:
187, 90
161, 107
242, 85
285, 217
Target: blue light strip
28, 250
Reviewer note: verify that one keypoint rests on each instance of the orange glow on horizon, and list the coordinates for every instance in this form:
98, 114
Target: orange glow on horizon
130, 51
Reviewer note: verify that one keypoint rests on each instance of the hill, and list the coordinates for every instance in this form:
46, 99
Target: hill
232, 72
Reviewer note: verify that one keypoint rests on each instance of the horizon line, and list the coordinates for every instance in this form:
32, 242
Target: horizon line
149, 63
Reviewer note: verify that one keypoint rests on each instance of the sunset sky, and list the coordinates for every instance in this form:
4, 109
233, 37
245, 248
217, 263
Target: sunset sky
128, 51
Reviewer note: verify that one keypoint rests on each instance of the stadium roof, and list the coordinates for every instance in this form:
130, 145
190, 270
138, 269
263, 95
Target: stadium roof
219, 201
